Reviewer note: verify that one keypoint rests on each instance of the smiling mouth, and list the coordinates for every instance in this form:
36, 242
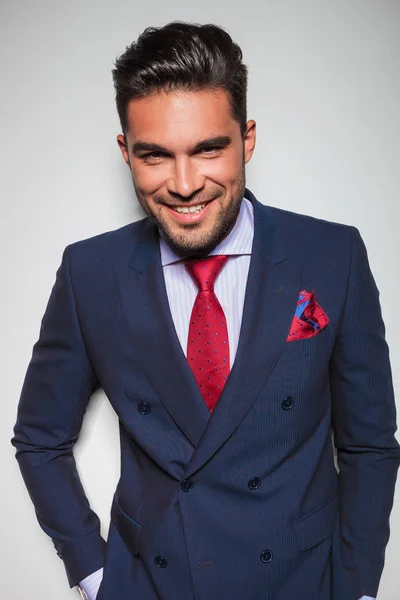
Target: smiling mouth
189, 209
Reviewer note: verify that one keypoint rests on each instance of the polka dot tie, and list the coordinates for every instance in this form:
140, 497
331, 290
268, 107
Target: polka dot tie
208, 344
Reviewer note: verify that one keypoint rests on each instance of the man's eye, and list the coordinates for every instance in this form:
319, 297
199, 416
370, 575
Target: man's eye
211, 149
153, 155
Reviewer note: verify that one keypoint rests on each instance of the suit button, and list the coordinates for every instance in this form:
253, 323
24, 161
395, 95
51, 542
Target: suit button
254, 483
187, 485
161, 562
266, 556
144, 408
287, 403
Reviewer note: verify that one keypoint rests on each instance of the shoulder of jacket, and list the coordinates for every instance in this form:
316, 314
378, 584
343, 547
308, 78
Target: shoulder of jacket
303, 222
107, 243
319, 235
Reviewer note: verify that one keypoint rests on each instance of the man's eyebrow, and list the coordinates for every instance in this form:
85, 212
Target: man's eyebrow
138, 147
220, 140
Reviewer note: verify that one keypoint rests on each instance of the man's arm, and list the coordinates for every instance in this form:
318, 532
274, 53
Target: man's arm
57, 387
364, 422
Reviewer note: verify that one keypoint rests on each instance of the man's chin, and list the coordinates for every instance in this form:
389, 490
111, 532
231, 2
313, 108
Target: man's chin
190, 244
183, 249
198, 238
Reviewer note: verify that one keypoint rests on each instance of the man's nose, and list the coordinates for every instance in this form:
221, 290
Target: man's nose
186, 179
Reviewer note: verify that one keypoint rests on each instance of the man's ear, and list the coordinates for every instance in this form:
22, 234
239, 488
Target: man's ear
123, 146
249, 140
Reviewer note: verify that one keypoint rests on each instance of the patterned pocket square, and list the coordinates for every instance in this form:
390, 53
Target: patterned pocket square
309, 318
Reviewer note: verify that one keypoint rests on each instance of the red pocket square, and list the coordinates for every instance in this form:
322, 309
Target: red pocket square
309, 318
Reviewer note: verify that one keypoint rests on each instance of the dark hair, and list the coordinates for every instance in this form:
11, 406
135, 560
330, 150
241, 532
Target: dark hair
181, 56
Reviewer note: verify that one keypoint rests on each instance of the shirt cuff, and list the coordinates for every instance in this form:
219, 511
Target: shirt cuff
91, 584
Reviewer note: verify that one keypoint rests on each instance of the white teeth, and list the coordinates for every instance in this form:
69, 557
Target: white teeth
191, 209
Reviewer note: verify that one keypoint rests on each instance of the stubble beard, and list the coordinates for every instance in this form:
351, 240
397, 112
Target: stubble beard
184, 243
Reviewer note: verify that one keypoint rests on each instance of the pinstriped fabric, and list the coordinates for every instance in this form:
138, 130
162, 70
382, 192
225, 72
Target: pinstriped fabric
181, 291
230, 285
229, 288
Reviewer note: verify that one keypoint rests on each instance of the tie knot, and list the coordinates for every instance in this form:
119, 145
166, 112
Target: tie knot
204, 271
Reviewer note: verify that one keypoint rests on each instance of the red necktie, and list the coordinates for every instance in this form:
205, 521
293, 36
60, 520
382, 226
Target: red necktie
208, 344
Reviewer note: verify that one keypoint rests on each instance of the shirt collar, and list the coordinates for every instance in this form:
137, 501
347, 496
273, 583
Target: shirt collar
238, 241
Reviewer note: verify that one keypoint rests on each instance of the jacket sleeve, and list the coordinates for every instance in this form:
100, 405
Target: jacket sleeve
364, 425
57, 388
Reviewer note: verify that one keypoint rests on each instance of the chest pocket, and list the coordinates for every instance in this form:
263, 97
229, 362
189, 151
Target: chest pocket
319, 344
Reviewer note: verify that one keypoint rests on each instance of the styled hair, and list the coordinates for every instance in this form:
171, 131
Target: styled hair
181, 56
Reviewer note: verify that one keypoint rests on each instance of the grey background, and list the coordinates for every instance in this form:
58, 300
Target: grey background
324, 89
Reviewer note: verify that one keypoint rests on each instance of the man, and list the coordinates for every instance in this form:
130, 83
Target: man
231, 338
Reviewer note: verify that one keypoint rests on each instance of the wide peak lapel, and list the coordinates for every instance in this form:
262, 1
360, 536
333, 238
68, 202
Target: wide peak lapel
145, 304
273, 285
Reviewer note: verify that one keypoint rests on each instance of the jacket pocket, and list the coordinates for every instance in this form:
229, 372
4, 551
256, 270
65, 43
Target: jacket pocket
318, 343
316, 526
129, 529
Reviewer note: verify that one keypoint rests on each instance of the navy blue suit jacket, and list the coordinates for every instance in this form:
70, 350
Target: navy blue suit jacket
185, 521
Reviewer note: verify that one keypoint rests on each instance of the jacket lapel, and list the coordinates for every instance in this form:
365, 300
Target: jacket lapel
145, 303
273, 285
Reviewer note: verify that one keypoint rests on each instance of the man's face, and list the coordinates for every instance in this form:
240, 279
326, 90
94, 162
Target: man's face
185, 151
